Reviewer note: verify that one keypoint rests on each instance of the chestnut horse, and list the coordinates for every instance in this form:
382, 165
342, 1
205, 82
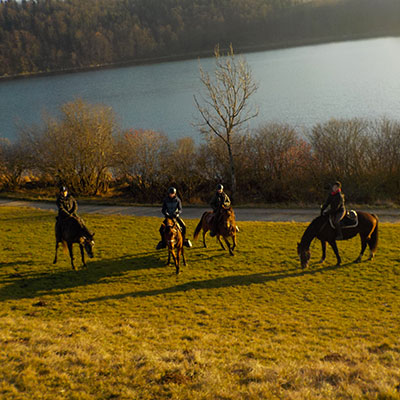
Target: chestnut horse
226, 227
320, 228
174, 240
72, 231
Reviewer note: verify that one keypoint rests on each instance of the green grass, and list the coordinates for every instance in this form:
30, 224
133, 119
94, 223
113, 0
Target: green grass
253, 326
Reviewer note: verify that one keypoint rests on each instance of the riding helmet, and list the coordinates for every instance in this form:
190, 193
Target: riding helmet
338, 184
171, 190
220, 187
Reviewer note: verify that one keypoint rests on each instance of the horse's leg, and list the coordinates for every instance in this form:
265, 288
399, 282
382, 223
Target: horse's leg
219, 240
55, 257
363, 247
169, 257
183, 256
204, 238
71, 254
323, 246
82, 255
177, 261
174, 257
336, 251
229, 246
234, 241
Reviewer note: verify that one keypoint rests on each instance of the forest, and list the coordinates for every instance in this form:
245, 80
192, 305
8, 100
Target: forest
42, 36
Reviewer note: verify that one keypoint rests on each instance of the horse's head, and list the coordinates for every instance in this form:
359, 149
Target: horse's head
170, 230
304, 254
88, 243
228, 218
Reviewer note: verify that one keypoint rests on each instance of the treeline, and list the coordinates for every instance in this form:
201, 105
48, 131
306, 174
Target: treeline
53, 35
86, 150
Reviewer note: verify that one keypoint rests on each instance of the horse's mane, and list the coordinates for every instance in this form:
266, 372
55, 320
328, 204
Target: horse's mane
312, 230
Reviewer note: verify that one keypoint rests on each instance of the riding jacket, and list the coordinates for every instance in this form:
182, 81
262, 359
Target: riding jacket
67, 205
172, 207
336, 202
219, 200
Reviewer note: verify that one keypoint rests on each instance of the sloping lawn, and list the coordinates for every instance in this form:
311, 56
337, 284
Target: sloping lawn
252, 326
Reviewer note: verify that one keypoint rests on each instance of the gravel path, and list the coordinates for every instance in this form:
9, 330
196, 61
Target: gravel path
242, 214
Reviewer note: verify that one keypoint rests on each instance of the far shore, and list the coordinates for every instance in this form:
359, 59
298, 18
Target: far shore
205, 54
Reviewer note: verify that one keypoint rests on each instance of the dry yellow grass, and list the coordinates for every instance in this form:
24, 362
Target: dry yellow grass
253, 326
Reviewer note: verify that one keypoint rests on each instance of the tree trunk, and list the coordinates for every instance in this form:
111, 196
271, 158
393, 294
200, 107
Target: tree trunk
233, 173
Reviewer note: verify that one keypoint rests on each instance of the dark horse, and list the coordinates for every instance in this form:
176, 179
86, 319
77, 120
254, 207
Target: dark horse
72, 231
226, 227
174, 240
321, 229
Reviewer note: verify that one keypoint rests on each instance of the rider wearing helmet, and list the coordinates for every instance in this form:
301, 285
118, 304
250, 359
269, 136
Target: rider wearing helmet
172, 208
67, 207
66, 204
337, 209
219, 200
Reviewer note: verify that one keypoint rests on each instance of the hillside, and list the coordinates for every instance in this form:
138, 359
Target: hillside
56, 35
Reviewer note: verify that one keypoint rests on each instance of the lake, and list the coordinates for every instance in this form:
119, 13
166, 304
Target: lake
301, 86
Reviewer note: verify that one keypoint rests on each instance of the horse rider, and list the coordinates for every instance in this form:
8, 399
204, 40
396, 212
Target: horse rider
67, 207
172, 208
219, 200
337, 209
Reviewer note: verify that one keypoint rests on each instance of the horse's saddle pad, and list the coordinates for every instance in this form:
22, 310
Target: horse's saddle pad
350, 220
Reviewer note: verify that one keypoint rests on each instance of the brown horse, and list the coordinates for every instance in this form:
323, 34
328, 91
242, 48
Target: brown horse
72, 231
320, 228
174, 240
226, 227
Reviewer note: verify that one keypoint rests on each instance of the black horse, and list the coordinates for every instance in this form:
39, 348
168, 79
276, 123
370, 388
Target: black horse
366, 226
72, 231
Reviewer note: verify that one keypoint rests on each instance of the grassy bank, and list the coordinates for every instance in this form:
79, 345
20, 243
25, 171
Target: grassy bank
250, 326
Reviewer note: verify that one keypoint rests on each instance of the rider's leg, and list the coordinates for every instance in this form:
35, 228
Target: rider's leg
338, 229
186, 242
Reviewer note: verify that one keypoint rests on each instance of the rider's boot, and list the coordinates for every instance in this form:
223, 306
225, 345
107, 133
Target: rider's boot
161, 244
186, 242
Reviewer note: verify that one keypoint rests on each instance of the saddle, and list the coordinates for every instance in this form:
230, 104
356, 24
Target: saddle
175, 223
350, 220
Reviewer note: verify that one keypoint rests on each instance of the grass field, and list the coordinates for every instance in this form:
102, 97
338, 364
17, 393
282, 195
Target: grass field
253, 326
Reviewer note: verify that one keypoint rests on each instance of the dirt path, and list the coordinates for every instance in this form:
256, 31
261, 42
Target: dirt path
242, 214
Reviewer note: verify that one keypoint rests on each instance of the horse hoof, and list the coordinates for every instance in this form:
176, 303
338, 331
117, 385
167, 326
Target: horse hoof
321, 261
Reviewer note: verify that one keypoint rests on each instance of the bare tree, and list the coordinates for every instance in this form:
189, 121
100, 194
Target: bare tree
224, 107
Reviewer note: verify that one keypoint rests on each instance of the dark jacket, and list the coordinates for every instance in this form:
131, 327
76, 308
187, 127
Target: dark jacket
336, 203
171, 207
66, 205
219, 200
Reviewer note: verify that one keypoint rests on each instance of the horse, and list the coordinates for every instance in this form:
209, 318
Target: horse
174, 240
366, 226
72, 231
226, 227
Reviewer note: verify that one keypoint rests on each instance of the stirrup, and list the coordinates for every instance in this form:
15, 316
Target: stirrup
212, 233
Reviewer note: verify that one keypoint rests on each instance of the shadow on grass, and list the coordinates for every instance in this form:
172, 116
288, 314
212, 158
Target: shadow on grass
31, 285
226, 281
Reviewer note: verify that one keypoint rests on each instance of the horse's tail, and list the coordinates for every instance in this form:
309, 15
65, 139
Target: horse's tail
65, 247
373, 242
199, 226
